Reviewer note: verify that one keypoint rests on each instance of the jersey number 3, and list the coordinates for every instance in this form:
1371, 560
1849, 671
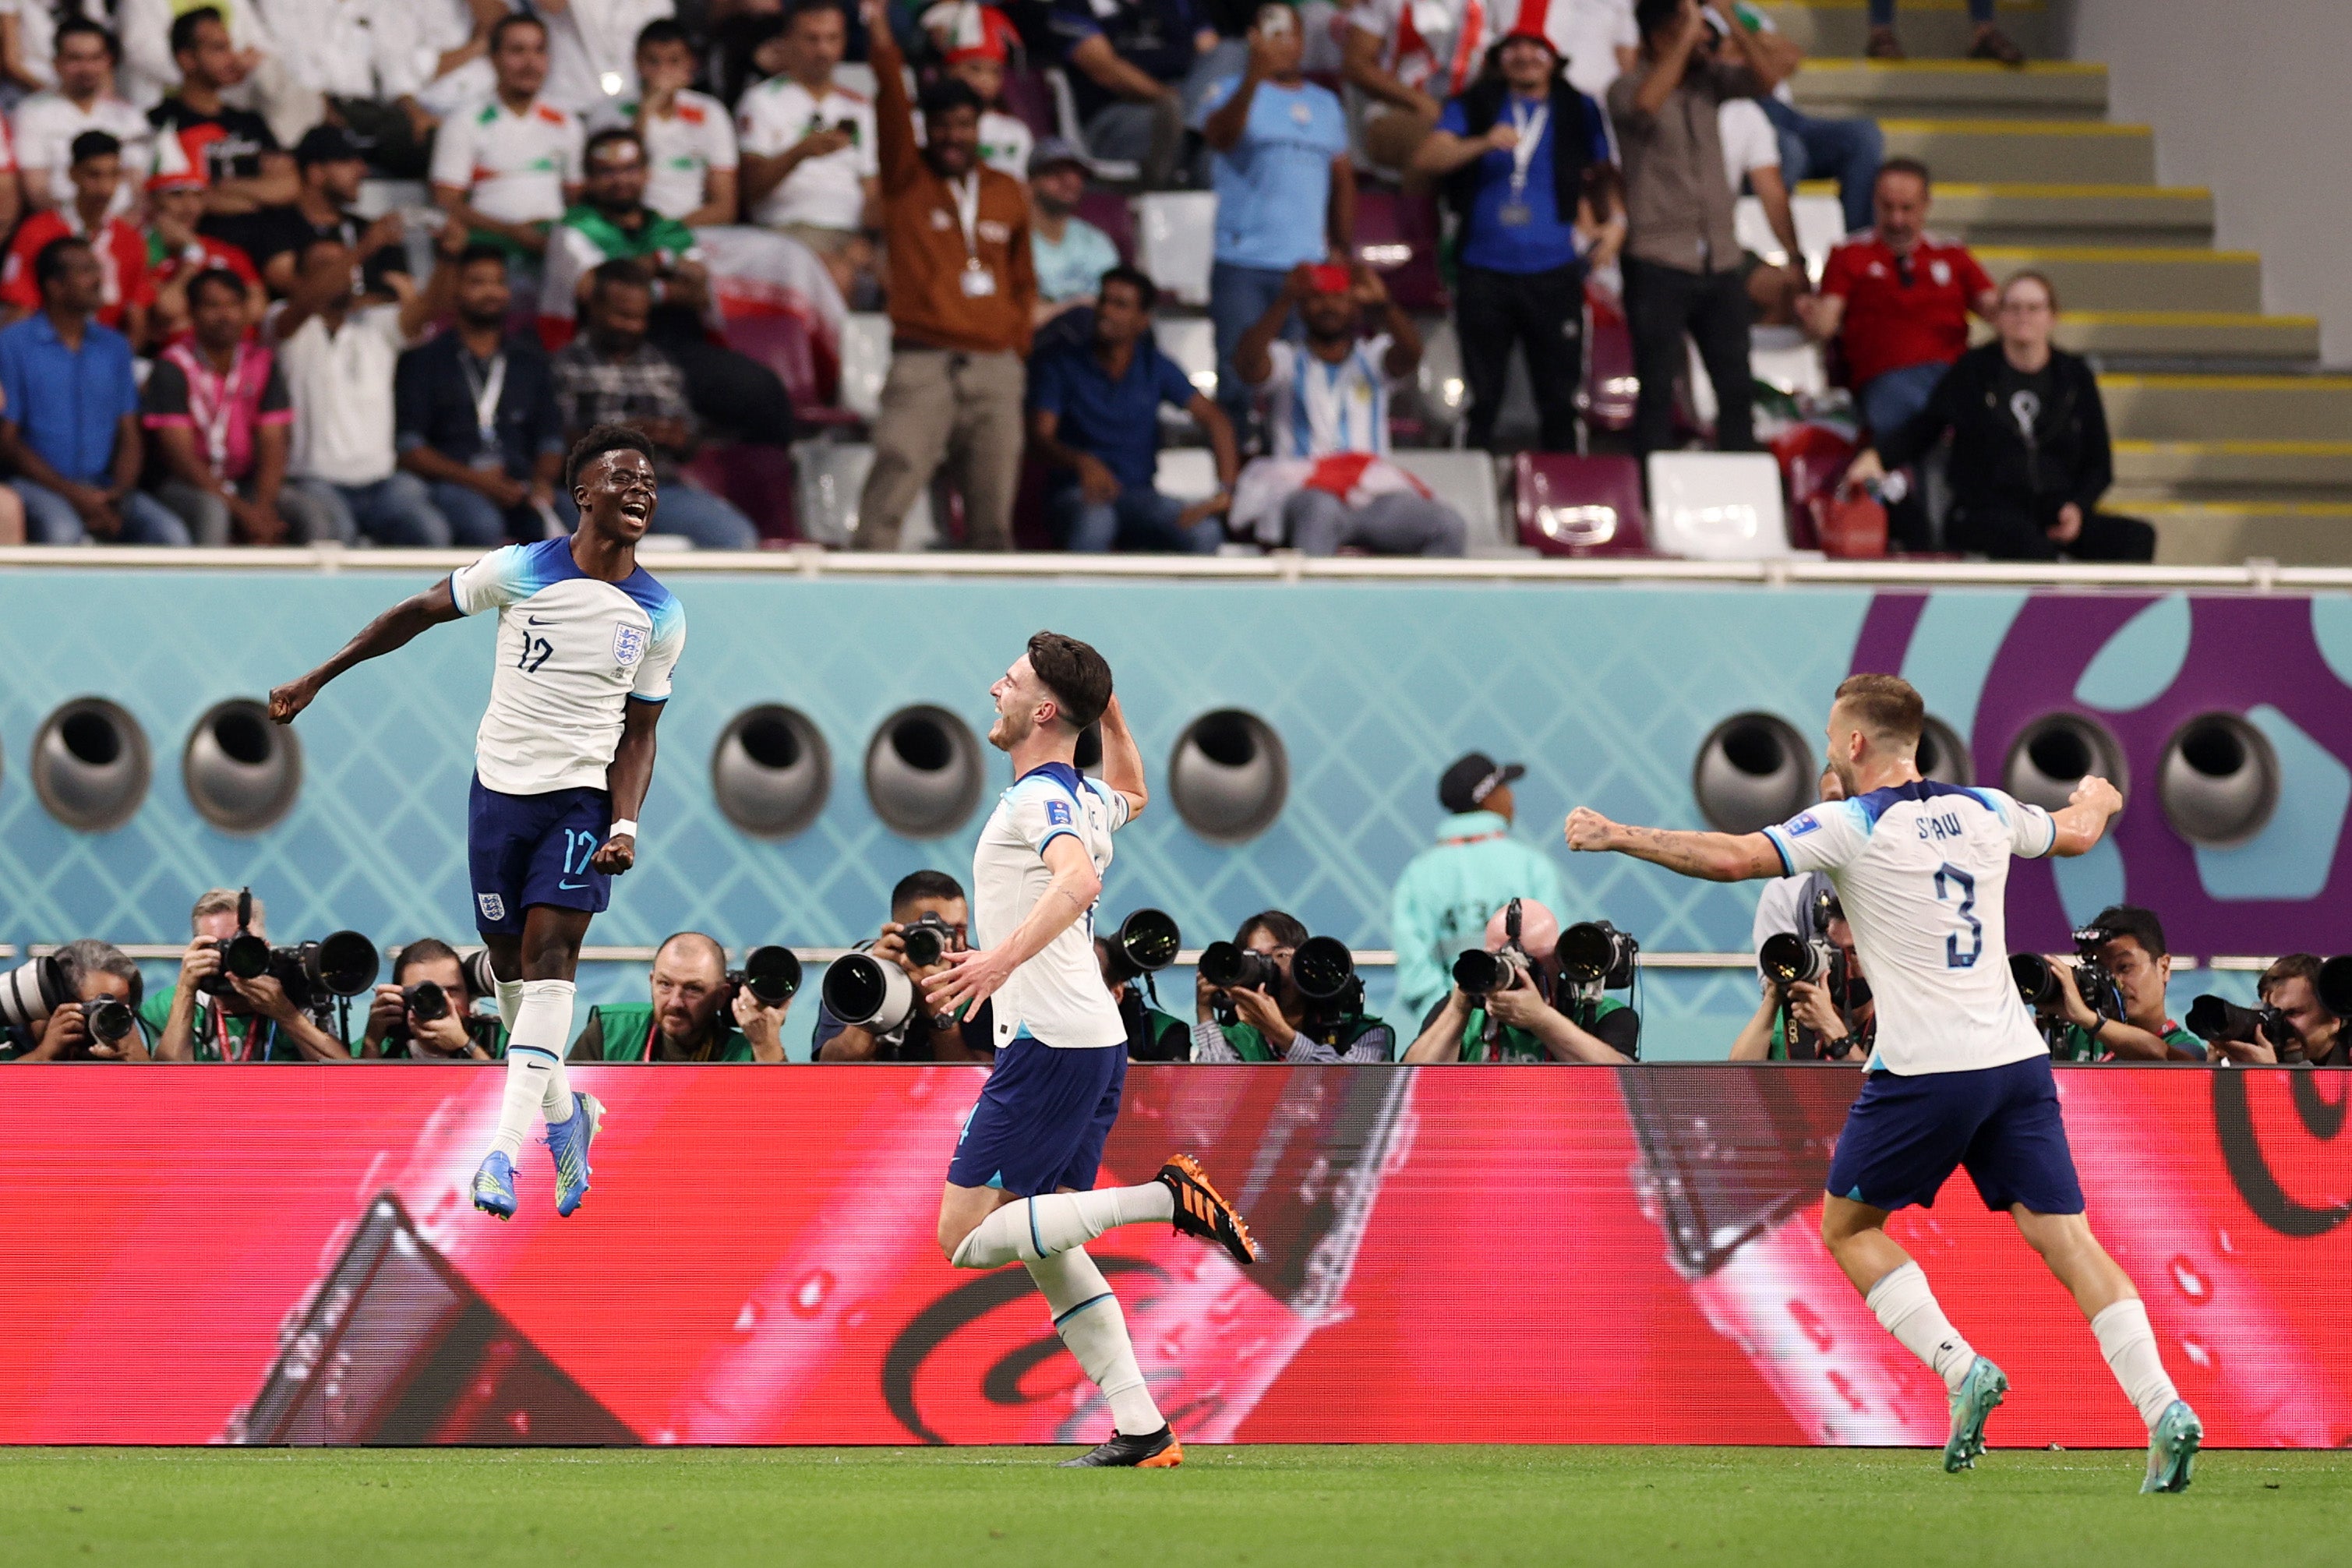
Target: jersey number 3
1947, 876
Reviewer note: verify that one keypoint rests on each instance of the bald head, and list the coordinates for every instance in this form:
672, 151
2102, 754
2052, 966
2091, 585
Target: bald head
691, 950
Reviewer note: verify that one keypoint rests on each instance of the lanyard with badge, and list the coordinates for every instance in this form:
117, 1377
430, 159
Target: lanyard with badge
486, 393
1515, 213
978, 281
213, 420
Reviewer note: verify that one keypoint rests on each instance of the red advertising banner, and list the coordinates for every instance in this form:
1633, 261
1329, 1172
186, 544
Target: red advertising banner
1491, 1254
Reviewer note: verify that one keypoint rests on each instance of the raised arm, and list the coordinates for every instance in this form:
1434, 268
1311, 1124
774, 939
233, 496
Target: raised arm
1712, 857
1252, 361
1122, 761
2083, 822
894, 112
979, 974
393, 629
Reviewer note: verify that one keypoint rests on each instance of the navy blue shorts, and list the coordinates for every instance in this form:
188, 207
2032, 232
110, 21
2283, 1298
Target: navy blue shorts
1905, 1136
1039, 1125
526, 849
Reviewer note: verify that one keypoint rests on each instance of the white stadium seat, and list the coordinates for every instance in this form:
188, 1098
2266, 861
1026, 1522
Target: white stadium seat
831, 475
865, 362
1464, 481
1191, 343
1175, 241
1718, 506
1186, 473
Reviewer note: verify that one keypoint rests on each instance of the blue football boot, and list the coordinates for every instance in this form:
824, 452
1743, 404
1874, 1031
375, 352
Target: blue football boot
567, 1142
2172, 1445
1973, 1402
494, 1185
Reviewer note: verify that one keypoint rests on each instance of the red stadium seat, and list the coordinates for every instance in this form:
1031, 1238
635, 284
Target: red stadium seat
758, 480
1577, 506
1813, 458
780, 342
1115, 215
1029, 100
1396, 236
1609, 386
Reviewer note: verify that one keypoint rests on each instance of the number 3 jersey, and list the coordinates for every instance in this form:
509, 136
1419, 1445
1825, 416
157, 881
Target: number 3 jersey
573, 652
1922, 873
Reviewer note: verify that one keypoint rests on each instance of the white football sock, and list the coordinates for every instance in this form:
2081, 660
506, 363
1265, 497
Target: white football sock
526, 1074
2129, 1346
509, 1002
1055, 1222
543, 1020
1906, 1309
1088, 1317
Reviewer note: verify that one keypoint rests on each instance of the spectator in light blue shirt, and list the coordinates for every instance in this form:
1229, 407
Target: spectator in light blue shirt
1094, 417
70, 433
1071, 253
1286, 191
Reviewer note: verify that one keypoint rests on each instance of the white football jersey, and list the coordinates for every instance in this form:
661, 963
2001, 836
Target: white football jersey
1922, 872
1057, 996
572, 651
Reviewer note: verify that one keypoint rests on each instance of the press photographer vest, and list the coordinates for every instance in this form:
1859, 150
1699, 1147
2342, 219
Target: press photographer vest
1515, 1045
1482, 105
1251, 1046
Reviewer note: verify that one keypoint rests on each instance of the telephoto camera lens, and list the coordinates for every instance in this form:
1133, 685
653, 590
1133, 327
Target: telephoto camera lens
425, 1001
2334, 986
1321, 968
32, 991
244, 955
1594, 953
1231, 968
1787, 958
2036, 978
869, 992
1478, 972
2212, 1017
1146, 942
110, 1018
343, 962
773, 974
480, 978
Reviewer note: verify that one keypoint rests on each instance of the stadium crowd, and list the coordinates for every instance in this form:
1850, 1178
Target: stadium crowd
1486, 972
353, 269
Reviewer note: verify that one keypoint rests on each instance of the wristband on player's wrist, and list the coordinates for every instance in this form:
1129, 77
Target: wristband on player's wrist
624, 828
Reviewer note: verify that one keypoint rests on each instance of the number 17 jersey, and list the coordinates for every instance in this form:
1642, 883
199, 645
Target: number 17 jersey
574, 651
1922, 872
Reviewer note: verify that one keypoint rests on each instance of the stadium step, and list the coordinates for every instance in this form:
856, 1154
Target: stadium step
2138, 278
2054, 151
2227, 532
2228, 407
2243, 470
1930, 30
2145, 335
2004, 214
1952, 89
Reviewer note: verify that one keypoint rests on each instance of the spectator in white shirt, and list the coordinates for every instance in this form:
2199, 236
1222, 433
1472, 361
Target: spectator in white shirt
339, 350
267, 81
809, 165
689, 138
29, 45
591, 48
1596, 38
434, 60
1409, 72
85, 99
508, 168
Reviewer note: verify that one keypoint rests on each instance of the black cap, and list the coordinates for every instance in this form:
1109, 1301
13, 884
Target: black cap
326, 144
1466, 785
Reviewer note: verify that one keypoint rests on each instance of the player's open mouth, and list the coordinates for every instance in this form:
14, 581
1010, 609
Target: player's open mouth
636, 511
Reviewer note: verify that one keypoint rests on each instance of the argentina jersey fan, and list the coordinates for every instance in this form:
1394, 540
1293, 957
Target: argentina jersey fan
1922, 872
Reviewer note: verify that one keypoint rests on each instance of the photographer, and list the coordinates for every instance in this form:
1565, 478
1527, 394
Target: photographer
396, 1030
1153, 1035
1280, 1024
1528, 1023
695, 1016
211, 1017
1836, 1017
923, 1038
2132, 951
1788, 903
2319, 1040
97, 972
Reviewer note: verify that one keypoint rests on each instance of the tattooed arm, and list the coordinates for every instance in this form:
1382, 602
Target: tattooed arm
1717, 856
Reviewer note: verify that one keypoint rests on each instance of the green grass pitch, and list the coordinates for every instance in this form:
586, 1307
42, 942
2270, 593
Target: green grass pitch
877, 1508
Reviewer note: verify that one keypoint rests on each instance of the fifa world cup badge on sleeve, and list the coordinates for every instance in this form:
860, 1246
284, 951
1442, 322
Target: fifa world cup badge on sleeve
1057, 813
629, 644
1800, 826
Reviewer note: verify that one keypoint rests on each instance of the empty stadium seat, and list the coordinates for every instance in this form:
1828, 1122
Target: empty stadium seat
758, 480
1175, 241
1029, 99
1191, 343
1718, 506
1188, 473
1444, 394
865, 362
1115, 215
1396, 236
829, 476
1821, 224
1464, 481
1073, 131
1571, 505
782, 343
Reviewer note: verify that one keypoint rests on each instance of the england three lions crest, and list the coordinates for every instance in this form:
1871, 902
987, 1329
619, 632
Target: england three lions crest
629, 644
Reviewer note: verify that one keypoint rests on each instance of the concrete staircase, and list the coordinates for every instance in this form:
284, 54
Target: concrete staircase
2227, 438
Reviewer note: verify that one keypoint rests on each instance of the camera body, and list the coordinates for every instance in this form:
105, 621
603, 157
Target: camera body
2092, 979
1324, 971
927, 940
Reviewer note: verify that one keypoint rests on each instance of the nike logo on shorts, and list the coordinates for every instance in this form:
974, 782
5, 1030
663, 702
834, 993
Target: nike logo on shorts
570, 887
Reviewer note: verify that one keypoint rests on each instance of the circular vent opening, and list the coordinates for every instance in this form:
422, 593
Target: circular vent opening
1229, 776
2052, 755
1753, 770
923, 772
90, 765
243, 774
2220, 781
771, 771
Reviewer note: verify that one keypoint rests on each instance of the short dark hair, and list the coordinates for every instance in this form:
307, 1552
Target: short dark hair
1287, 930
808, 7
1904, 165
480, 250
424, 949
599, 440
924, 884
49, 262
2140, 925
1649, 16
81, 23
1147, 293
605, 138
508, 22
710, 944
95, 144
184, 26
661, 30
621, 272
215, 277
1077, 675
1887, 706
2294, 966
946, 95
